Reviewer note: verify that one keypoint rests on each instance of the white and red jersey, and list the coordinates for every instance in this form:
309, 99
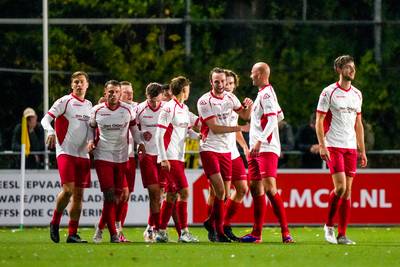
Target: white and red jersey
71, 125
131, 147
176, 119
221, 108
341, 107
147, 120
112, 125
232, 136
266, 109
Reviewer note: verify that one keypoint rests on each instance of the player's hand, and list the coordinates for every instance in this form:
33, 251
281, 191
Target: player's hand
247, 102
147, 136
141, 149
165, 165
314, 149
324, 153
255, 150
245, 128
51, 141
90, 146
363, 160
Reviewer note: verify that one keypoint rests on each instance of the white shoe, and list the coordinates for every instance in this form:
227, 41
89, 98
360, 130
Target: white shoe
148, 235
330, 234
98, 234
343, 240
162, 236
187, 237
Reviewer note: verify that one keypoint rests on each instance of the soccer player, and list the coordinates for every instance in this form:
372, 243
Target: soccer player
130, 172
340, 130
215, 109
239, 175
147, 118
71, 113
265, 149
174, 121
112, 120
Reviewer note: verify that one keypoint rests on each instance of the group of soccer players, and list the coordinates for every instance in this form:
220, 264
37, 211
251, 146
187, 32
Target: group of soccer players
112, 129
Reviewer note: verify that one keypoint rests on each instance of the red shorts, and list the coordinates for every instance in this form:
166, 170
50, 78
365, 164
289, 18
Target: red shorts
111, 175
175, 178
343, 160
238, 170
263, 166
214, 162
74, 170
150, 170
130, 173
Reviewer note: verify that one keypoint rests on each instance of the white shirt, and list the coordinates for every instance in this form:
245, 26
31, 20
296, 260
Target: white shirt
71, 125
341, 107
221, 108
147, 120
174, 121
131, 147
232, 136
112, 131
264, 121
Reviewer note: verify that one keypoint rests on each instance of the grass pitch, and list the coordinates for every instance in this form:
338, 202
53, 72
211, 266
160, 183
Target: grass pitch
33, 247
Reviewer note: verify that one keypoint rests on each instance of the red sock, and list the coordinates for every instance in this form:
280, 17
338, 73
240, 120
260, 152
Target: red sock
150, 221
181, 207
176, 218
218, 214
231, 208
124, 212
260, 205
56, 217
166, 212
279, 211
102, 222
332, 207
344, 216
156, 220
73, 227
109, 216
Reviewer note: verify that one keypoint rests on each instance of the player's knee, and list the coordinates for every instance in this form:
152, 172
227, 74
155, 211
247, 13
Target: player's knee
172, 197
184, 194
109, 195
220, 193
340, 190
241, 191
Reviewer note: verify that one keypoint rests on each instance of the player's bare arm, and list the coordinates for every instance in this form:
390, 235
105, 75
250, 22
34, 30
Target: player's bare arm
221, 129
360, 141
319, 128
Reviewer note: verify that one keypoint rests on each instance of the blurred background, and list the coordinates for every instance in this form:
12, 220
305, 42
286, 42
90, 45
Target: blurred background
146, 41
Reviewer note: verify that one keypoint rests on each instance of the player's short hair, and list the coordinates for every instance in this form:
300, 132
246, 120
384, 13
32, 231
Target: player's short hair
153, 89
125, 83
113, 83
178, 83
80, 73
165, 87
216, 70
230, 73
341, 61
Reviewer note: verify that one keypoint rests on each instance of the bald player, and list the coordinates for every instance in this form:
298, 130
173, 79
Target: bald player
265, 149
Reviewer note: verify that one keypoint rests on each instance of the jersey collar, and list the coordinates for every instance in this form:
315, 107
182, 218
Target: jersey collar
217, 97
110, 108
77, 98
341, 88
177, 102
153, 109
265, 86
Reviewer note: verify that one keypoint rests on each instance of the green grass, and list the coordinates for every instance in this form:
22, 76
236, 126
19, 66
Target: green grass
32, 247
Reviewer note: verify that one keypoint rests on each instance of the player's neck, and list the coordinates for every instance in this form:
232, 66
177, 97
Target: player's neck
79, 96
343, 83
180, 98
153, 104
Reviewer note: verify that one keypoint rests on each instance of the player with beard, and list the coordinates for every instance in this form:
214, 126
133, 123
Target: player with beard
340, 132
215, 109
